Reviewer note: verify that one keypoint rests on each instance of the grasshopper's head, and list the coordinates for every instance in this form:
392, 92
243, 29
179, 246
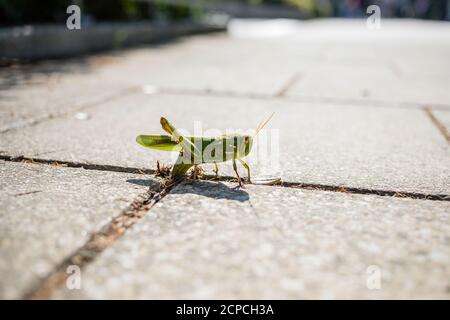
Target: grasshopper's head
248, 144
245, 144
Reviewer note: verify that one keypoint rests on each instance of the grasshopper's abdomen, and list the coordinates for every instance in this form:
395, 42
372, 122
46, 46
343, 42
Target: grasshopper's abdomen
217, 149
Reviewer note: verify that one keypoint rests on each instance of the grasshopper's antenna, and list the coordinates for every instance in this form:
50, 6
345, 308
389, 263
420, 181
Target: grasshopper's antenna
262, 125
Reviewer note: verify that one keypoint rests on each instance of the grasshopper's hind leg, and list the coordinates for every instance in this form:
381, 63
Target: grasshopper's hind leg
195, 174
245, 165
237, 173
216, 170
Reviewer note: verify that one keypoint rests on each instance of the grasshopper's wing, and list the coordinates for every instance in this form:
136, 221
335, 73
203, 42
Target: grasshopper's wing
158, 142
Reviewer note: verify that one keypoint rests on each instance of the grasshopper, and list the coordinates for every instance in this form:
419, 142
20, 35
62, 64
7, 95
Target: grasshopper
197, 150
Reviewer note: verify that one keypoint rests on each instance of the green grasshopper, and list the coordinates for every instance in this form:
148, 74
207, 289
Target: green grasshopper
197, 150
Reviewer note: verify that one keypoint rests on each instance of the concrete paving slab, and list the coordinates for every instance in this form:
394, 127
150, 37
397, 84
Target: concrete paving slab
29, 94
207, 241
208, 63
372, 147
378, 84
414, 73
48, 212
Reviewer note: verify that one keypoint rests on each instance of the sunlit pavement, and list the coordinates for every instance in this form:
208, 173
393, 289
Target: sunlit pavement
359, 139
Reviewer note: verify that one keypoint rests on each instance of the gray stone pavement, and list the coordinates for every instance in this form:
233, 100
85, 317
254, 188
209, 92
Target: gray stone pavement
348, 106
206, 240
32, 94
49, 212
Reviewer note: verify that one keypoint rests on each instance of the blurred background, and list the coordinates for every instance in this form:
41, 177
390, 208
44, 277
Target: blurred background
19, 12
34, 30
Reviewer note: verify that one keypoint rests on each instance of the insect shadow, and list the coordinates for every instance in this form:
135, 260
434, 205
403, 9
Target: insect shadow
210, 189
214, 190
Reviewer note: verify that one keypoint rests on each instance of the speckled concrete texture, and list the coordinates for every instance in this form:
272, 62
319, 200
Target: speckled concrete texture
208, 241
48, 212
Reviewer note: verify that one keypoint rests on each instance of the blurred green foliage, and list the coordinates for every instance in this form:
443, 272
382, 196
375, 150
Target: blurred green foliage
27, 11
19, 12
423, 9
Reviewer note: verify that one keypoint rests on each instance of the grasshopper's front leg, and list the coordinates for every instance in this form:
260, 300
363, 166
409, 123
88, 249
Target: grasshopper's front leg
197, 170
216, 170
180, 168
237, 173
245, 165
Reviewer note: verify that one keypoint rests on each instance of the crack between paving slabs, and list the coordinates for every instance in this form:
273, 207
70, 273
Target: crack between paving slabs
437, 123
70, 164
206, 177
285, 88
